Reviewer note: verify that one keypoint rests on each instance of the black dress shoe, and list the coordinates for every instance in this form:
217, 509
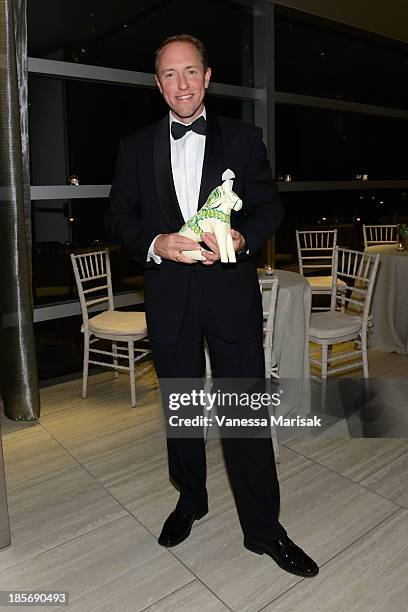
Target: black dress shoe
286, 554
177, 527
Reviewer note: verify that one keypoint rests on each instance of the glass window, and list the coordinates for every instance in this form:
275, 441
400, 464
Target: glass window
316, 144
125, 34
62, 227
343, 209
97, 116
59, 347
75, 126
329, 61
59, 344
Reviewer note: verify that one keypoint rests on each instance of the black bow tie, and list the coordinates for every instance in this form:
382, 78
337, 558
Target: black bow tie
178, 130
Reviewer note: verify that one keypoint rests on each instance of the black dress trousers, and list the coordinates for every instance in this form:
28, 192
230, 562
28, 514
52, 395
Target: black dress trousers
249, 461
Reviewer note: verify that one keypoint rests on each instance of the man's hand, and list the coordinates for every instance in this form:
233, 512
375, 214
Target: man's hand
210, 258
169, 246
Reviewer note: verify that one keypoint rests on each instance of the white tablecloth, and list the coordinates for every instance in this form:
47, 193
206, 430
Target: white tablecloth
291, 336
389, 306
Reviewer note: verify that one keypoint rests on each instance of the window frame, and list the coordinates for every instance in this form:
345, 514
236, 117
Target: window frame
264, 96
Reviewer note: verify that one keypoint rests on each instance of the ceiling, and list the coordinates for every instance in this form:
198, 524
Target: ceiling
389, 18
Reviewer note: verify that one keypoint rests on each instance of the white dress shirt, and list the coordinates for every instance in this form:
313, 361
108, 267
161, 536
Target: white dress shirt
187, 156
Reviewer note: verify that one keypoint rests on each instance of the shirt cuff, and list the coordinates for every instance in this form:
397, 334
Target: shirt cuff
244, 250
151, 255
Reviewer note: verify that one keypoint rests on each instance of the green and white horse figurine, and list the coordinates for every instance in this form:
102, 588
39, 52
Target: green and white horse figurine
214, 217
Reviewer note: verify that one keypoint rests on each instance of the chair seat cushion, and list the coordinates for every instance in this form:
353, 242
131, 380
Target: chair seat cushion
331, 324
119, 323
323, 282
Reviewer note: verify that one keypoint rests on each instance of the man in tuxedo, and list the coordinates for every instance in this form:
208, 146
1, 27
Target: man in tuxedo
164, 173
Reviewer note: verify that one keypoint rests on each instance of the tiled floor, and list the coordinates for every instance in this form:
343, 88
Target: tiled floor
88, 492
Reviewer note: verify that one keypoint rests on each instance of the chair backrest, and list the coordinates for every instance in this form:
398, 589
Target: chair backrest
93, 276
358, 271
269, 292
379, 234
315, 250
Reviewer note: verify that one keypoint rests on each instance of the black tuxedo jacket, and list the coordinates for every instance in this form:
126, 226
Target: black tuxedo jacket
143, 203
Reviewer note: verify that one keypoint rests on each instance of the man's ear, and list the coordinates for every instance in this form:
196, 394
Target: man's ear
156, 78
207, 77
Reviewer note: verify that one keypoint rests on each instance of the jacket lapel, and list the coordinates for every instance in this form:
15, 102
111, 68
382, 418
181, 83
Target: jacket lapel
164, 178
211, 174
212, 164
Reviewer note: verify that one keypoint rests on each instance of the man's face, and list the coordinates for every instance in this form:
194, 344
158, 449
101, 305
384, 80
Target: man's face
182, 80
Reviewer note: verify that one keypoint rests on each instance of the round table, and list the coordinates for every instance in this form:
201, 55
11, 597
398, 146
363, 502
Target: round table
389, 306
291, 334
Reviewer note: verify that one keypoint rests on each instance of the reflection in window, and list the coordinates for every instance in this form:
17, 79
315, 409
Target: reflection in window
64, 227
125, 34
75, 126
59, 345
75, 129
345, 210
320, 58
317, 144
